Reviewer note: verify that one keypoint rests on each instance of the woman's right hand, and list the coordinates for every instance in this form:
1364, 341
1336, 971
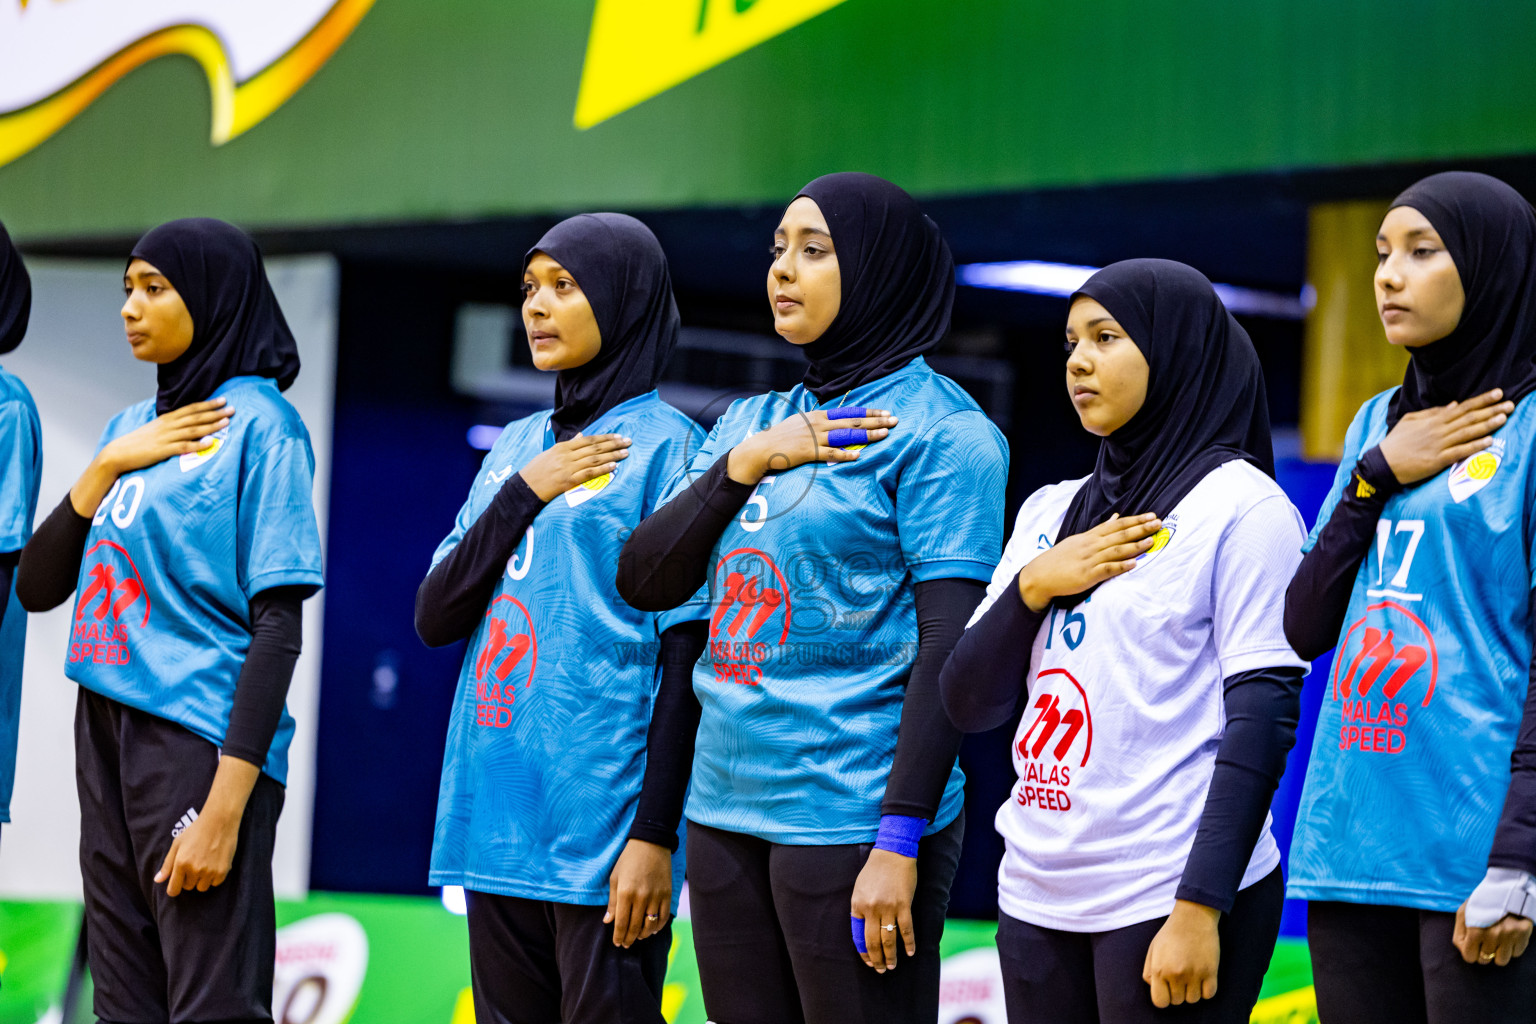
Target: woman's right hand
1425, 442
567, 464
806, 437
1086, 559
178, 432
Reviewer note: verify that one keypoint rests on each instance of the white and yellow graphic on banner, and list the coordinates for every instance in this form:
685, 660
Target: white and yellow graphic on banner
640, 48
57, 57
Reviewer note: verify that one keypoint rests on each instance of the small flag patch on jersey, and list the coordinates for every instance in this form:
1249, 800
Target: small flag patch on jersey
1475, 472
587, 491
203, 454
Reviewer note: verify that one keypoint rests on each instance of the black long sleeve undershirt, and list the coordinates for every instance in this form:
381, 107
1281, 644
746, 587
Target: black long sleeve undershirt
1262, 708
986, 679
451, 601
50, 563
50, 567
261, 690
1514, 838
927, 743
8, 560
1318, 596
666, 560
669, 741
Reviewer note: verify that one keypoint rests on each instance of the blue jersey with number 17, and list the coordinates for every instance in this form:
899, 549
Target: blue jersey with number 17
813, 621
546, 741
21, 470
176, 551
1410, 764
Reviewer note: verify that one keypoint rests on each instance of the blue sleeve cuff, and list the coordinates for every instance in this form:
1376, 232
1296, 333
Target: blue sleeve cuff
900, 833
952, 569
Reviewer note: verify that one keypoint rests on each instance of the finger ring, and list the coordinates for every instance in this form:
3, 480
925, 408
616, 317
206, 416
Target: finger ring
888, 927
653, 917
1483, 958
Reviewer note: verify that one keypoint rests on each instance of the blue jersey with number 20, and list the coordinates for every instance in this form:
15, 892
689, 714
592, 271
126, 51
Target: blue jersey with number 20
177, 550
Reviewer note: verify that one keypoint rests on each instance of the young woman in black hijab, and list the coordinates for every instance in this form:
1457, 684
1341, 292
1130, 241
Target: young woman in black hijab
21, 469
568, 747
1135, 623
1416, 838
192, 536
842, 551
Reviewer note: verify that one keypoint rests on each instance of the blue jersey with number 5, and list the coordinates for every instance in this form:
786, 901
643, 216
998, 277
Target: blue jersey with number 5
813, 621
546, 742
1410, 764
177, 550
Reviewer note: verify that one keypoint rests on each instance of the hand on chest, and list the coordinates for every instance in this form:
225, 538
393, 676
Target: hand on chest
171, 491
1161, 606
829, 500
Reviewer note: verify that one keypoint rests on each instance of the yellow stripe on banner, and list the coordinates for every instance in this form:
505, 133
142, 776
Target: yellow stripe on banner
640, 48
464, 1007
1298, 1007
1346, 358
236, 108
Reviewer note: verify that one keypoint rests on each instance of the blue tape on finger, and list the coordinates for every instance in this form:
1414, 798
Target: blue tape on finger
847, 412
858, 935
842, 437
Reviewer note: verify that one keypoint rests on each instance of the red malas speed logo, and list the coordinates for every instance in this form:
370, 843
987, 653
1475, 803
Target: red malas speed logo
111, 593
1386, 662
510, 640
753, 611
1059, 739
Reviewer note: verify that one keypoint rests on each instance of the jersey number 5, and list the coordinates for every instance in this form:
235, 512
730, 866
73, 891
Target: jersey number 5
760, 502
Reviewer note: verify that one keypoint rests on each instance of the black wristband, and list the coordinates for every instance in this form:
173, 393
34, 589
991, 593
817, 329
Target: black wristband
1373, 478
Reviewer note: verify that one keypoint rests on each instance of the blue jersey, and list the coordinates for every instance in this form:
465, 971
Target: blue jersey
813, 624
546, 742
1410, 764
177, 550
21, 470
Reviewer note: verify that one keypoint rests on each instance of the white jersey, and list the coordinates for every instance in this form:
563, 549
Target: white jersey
1117, 744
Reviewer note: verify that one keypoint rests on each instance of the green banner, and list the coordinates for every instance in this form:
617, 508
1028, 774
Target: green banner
405, 960
430, 111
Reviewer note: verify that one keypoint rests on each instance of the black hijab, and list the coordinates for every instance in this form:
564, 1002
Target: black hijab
1205, 402
237, 327
15, 295
621, 269
898, 283
1490, 231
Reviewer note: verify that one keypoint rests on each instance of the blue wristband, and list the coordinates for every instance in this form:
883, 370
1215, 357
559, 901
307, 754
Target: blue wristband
842, 437
900, 833
858, 935
846, 412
